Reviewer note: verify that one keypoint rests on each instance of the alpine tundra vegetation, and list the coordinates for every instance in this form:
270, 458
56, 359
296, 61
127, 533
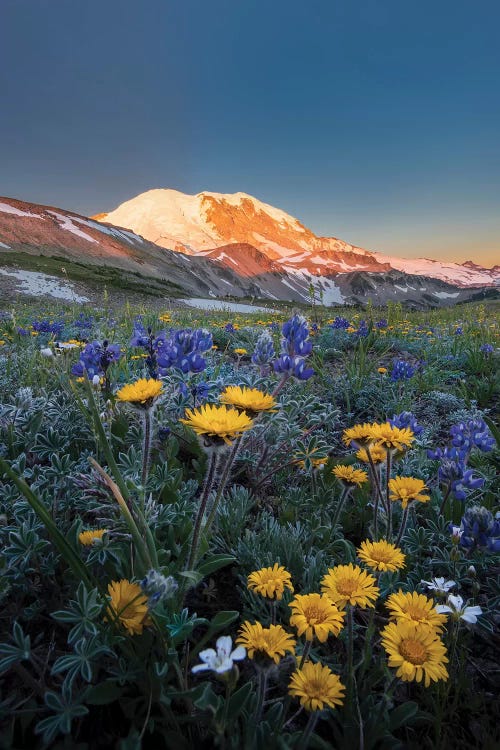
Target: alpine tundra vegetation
235, 531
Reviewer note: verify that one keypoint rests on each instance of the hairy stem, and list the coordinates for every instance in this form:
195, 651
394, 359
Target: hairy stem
146, 449
404, 521
306, 735
193, 553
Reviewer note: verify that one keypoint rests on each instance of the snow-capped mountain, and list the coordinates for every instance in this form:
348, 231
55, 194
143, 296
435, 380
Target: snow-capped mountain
337, 273
210, 223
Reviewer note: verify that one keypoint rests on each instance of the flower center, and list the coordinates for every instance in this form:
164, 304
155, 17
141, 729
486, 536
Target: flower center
314, 615
413, 651
315, 689
416, 613
347, 586
381, 555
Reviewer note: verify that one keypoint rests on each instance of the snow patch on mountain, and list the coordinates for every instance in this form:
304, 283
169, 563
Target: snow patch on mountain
36, 284
6, 208
67, 224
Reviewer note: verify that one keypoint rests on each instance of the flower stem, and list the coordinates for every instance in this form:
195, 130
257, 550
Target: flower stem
261, 694
340, 505
378, 498
404, 521
445, 498
305, 654
223, 481
388, 501
306, 735
350, 649
193, 553
146, 451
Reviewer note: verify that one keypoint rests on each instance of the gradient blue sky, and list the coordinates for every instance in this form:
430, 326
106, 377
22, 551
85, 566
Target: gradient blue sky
376, 121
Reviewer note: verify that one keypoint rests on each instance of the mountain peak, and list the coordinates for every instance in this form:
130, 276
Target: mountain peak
202, 223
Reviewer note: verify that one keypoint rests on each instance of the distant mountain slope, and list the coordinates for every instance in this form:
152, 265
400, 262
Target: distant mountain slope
199, 224
88, 252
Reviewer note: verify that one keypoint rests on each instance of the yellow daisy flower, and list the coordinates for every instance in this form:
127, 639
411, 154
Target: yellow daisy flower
273, 641
316, 686
240, 352
391, 438
349, 476
217, 422
248, 399
89, 537
349, 584
360, 435
142, 393
416, 653
415, 608
381, 555
129, 605
378, 454
382, 370
270, 582
316, 616
407, 489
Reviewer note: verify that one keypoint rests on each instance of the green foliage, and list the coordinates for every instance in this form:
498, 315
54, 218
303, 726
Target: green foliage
73, 459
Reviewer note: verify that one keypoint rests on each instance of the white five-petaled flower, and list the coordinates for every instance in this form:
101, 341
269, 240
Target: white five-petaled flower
439, 585
220, 661
455, 607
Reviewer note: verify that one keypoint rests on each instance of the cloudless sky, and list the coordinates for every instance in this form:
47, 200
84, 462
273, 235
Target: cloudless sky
376, 121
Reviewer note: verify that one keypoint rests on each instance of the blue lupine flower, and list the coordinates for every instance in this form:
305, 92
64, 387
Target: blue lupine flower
158, 587
453, 470
362, 330
295, 334
197, 391
229, 328
406, 419
340, 323
151, 342
486, 348
459, 331
263, 353
382, 323
294, 348
449, 453
46, 326
96, 358
84, 322
465, 482
22, 331
293, 366
402, 370
480, 529
183, 350
472, 434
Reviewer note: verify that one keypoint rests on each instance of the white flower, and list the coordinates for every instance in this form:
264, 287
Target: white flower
456, 533
46, 352
96, 380
455, 607
220, 661
439, 585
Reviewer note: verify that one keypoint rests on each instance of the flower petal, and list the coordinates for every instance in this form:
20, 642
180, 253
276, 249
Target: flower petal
224, 645
208, 655
239, 653
200, 667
